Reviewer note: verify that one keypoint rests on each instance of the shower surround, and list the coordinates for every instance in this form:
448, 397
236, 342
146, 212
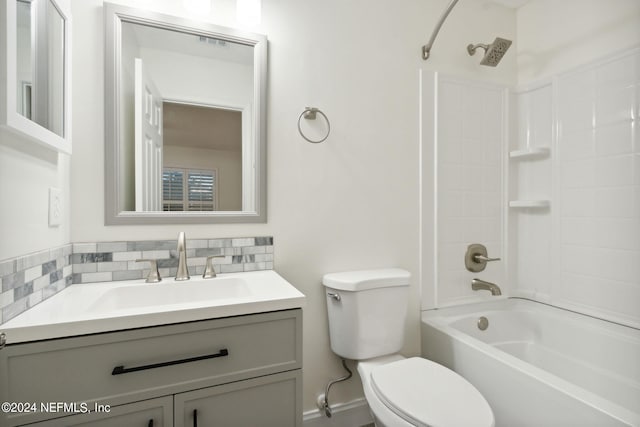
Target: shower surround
547, 176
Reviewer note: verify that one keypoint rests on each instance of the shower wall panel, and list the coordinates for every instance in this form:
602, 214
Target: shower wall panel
469, 191
598, 189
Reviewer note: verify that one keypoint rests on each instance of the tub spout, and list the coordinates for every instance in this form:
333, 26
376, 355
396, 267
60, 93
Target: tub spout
478, 285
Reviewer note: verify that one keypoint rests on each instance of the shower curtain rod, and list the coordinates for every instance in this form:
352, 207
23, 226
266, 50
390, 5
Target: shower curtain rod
426, 49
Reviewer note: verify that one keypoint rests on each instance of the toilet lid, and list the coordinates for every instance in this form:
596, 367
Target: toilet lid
425, 393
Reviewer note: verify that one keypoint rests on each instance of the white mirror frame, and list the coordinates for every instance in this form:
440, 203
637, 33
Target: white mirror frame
10, 119
114, 16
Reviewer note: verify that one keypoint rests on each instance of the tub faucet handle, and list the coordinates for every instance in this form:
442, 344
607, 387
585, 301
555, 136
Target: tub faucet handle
476, 259
154, 273
482, 258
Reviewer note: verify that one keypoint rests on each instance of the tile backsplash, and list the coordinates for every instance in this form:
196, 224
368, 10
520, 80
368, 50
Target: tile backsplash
28, 280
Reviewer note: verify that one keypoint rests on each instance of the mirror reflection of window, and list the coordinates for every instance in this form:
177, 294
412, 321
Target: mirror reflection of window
189, 190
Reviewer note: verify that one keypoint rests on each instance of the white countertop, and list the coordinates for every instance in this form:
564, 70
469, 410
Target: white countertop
110, 306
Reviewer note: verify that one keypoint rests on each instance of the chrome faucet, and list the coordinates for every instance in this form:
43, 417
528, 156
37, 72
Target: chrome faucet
183, 271
481, 285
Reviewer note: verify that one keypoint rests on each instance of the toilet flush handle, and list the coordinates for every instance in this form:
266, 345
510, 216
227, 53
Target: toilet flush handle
334, 296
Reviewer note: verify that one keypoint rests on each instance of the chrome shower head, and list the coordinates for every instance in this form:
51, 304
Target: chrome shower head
493, 52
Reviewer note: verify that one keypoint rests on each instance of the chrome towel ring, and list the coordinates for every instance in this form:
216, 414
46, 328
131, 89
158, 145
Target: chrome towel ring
309, 113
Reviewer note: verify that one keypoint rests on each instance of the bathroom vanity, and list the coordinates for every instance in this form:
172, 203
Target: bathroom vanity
235, 360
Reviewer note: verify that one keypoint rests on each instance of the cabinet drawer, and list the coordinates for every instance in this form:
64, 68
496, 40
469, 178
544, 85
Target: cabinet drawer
148, 413
80, 369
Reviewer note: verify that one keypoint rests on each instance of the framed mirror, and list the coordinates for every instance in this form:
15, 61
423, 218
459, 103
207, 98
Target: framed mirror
185, 120
35, 89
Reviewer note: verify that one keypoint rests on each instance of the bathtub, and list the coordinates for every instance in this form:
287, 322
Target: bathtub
539, 365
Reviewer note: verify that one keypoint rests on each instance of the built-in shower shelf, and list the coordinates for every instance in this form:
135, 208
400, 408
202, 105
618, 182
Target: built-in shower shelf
529, 203
530, 153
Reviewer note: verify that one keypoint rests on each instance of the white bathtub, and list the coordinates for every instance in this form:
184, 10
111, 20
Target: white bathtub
539, 365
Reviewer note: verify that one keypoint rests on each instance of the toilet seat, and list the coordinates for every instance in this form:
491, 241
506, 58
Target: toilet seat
425, 394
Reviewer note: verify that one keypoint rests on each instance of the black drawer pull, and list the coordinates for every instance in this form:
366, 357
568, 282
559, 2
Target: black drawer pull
195, 418
118, 370
150, 423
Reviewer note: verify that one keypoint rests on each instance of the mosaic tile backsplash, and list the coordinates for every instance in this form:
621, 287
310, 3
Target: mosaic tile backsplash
30, 279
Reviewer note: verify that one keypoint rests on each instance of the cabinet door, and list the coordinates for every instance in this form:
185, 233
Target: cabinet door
269, 401
148, 413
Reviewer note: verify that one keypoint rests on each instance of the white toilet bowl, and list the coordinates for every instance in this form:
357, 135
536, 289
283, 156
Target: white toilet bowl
418, 392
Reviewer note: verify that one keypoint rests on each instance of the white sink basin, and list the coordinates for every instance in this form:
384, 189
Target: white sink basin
110, 306
169, 292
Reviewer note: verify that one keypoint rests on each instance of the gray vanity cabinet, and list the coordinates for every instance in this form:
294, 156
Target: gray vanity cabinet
245, 370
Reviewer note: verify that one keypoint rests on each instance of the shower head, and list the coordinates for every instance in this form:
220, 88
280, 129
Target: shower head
493, 52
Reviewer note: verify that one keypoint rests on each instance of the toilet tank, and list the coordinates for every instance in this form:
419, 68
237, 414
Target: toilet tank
367, 311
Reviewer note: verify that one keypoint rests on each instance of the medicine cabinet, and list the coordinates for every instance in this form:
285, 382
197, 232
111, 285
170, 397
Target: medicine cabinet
35, 69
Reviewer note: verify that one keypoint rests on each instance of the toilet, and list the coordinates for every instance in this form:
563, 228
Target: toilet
367, 311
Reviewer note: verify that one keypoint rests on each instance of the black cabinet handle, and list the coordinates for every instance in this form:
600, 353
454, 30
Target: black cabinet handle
119, 370
150, 423
195, 418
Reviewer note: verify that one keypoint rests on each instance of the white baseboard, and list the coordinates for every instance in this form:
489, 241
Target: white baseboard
351, 414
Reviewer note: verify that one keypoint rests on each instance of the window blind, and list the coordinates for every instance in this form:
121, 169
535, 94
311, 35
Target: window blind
188, 189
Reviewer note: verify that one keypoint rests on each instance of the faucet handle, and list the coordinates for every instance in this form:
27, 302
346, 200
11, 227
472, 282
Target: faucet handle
481, 258
154, 273
209, 270
476, 258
